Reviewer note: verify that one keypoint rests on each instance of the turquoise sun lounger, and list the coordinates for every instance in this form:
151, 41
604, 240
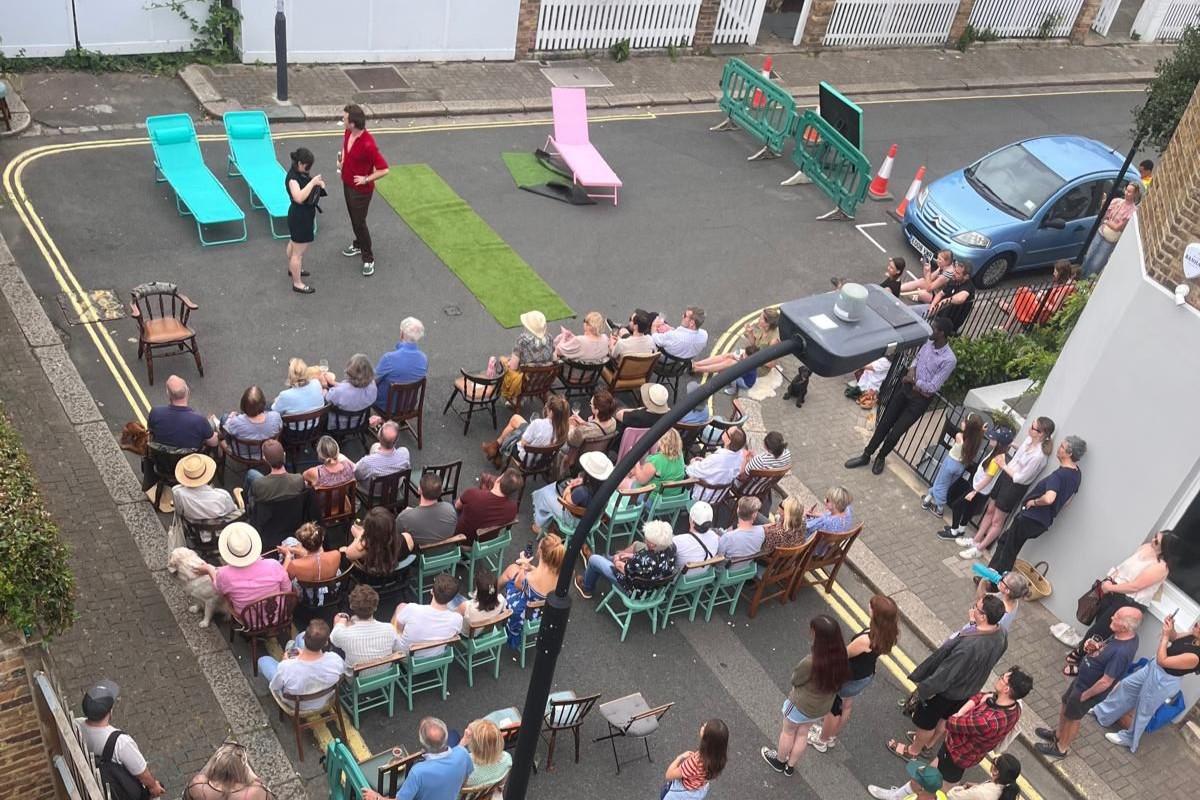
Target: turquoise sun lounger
252, 157
198, 193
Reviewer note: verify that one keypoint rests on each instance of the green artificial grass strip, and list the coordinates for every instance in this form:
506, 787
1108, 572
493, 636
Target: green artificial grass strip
526, 170
494, 272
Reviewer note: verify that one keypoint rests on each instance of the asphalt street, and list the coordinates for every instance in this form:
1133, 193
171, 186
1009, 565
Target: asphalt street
697, 224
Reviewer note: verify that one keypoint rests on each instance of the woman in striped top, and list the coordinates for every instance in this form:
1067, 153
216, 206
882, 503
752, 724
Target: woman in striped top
689, 775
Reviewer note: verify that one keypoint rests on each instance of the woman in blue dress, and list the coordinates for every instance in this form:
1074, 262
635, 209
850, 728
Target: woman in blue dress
525, 582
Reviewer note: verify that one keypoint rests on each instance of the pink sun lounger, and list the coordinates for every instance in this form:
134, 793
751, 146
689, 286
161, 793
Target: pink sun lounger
570, 142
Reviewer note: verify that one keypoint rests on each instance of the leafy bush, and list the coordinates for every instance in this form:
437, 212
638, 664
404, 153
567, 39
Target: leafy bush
37, 589
971, 34
619, 51
1168, 94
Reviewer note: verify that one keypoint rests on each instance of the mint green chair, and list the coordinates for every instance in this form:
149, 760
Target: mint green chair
568, 520
688, 589
621, 519
424, 673
342, 774
252, 158
482, 646
488, 550
531, 626
435, 559
646, 598
671, 499
728, 583
198, 193
373, 685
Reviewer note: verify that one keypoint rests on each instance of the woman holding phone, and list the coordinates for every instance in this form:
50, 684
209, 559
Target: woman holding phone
304, 190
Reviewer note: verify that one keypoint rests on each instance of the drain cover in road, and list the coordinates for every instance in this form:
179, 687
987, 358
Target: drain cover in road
103, 306
375, 79
587, 77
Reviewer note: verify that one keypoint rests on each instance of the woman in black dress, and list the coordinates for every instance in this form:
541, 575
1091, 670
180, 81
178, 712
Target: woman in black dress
304, 190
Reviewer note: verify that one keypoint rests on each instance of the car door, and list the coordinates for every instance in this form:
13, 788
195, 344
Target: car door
1060, 227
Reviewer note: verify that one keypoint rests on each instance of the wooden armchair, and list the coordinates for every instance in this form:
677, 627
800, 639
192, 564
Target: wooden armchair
630, 372
449, 472
534, 462
779, 575
247, 453
405, 405
827, 551
162, 315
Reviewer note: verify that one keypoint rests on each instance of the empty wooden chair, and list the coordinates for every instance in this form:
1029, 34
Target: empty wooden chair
779, 575
564, 712
827, 552
631, 717
389, 491
669, 369
449, 472
163, 318
300, 433
578, 378
630, 372
481, 394
405, 406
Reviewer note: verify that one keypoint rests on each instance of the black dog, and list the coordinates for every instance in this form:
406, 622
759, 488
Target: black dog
798, 388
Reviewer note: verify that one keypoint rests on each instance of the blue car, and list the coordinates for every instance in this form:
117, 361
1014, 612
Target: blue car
1025, 205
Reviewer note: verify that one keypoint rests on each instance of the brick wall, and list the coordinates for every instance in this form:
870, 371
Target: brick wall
818, 22
527, 22
706, 23
1083, 22
1170, 214
24, 760
961, 18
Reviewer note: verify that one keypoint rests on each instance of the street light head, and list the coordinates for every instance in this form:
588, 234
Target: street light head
832, 345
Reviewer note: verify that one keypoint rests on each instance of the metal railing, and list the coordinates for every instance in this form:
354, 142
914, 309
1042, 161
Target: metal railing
74, 768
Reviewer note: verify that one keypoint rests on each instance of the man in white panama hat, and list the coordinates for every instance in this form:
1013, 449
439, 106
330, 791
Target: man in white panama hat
246, 576
195, 497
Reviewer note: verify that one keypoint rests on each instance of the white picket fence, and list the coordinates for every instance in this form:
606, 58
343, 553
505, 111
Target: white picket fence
738, 21
597, 24
875, 23
1180, 14
1104, 17
1026, 18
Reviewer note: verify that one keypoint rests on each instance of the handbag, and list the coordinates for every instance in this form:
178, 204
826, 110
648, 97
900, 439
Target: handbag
1039, 584
1088, 605
911, 704
1108, 234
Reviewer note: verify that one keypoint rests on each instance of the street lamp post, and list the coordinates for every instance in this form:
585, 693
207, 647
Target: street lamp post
1137, 142
281, 87
558, 605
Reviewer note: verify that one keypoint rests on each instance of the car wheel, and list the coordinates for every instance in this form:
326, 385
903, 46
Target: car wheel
993, 271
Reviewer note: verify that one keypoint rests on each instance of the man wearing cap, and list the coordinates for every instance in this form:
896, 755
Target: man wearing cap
97, 728
931, 368
924, 783
654, 404
685, 342
701, 541
246, 577
722, 465
195, 498
548, 503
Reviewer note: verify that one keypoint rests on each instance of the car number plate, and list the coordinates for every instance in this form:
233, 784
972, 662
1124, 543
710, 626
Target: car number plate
919, 246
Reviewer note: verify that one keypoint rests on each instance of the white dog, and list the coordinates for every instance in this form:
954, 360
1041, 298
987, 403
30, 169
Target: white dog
188, 568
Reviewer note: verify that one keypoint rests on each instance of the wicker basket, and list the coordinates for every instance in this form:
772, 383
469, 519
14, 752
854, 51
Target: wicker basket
1039, 585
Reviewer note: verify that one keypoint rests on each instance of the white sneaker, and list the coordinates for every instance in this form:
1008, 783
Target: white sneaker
880, 793
816, 742
1117, 738
964, 541
969, 554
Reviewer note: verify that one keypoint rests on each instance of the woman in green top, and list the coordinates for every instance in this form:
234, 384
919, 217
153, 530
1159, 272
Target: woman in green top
666, 464
491, 761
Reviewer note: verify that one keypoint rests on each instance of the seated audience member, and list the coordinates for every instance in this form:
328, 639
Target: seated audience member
774, 455
590, 347
246, 576
333, 469
491, 761
305, 557
721, 466
550, 428
789, 529
304, 393
955, 299
362, 637
1030, 307
443, 770
869, 378
934, 276
698, 415
633, 339
227, 776
385, 458
836, 517
600, 424
406, 363
701, 541
485, 603
665, 464
533, 346
432, 520
196, 499
655, 398
420, 624
376, 546
686, 341
480, 508
276, 485
253, 420
95, 728
176, 424
578, 491
762, 332
524, 582
893, 274
747, 538
745, 380
641, 563
354, 393
306, 668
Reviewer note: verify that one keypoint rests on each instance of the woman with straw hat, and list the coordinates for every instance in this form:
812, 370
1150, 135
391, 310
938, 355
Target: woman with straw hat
533, 347
195, 498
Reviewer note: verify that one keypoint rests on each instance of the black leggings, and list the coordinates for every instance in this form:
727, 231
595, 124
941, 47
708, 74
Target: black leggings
963, 509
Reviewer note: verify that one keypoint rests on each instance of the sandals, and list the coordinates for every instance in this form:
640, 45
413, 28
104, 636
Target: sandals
1070, 670
900, 750
304, 289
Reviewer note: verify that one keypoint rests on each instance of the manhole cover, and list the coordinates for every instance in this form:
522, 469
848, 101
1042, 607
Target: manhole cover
586, 77
102, 306
375, 79
452, 311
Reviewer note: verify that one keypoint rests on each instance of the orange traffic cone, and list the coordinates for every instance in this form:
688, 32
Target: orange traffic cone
910, 195
759, 101
878, 189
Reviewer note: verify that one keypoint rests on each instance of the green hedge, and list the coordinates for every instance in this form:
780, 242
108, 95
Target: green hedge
37, 589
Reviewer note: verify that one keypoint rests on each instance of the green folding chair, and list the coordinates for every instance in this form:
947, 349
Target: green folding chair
531, 626
671, 499
644, 598
198, 193
621, 519
372, 685
425, 673
488, 550
689, 588
727, 585
436, 559
252, 158
482, 646
342, 774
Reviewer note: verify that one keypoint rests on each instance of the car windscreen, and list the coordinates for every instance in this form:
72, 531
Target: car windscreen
1014, 180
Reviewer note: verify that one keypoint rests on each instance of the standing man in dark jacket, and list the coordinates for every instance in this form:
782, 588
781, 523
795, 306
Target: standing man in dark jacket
954, 673
361, 165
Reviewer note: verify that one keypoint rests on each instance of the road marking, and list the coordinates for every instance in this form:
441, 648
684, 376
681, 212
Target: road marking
869, 237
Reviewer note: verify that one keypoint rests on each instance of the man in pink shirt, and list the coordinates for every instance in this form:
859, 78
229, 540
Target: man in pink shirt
247, 577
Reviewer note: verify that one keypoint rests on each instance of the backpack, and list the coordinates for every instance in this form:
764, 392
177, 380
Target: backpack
121, 784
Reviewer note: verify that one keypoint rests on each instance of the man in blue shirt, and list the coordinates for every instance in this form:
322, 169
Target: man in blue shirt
441, 773
405, 364
176, 424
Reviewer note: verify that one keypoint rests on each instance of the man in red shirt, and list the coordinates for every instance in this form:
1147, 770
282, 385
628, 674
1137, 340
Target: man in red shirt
361, 165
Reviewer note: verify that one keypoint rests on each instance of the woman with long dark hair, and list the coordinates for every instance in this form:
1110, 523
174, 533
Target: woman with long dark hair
967, 444
1003, 785
815, 683
378, 547
689, 775
862, 653
304, 190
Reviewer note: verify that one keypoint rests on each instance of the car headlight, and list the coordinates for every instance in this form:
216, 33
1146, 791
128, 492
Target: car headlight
974, 239
922, 196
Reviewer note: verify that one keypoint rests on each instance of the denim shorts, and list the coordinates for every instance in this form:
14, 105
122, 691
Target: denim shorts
855, 688
796, 716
